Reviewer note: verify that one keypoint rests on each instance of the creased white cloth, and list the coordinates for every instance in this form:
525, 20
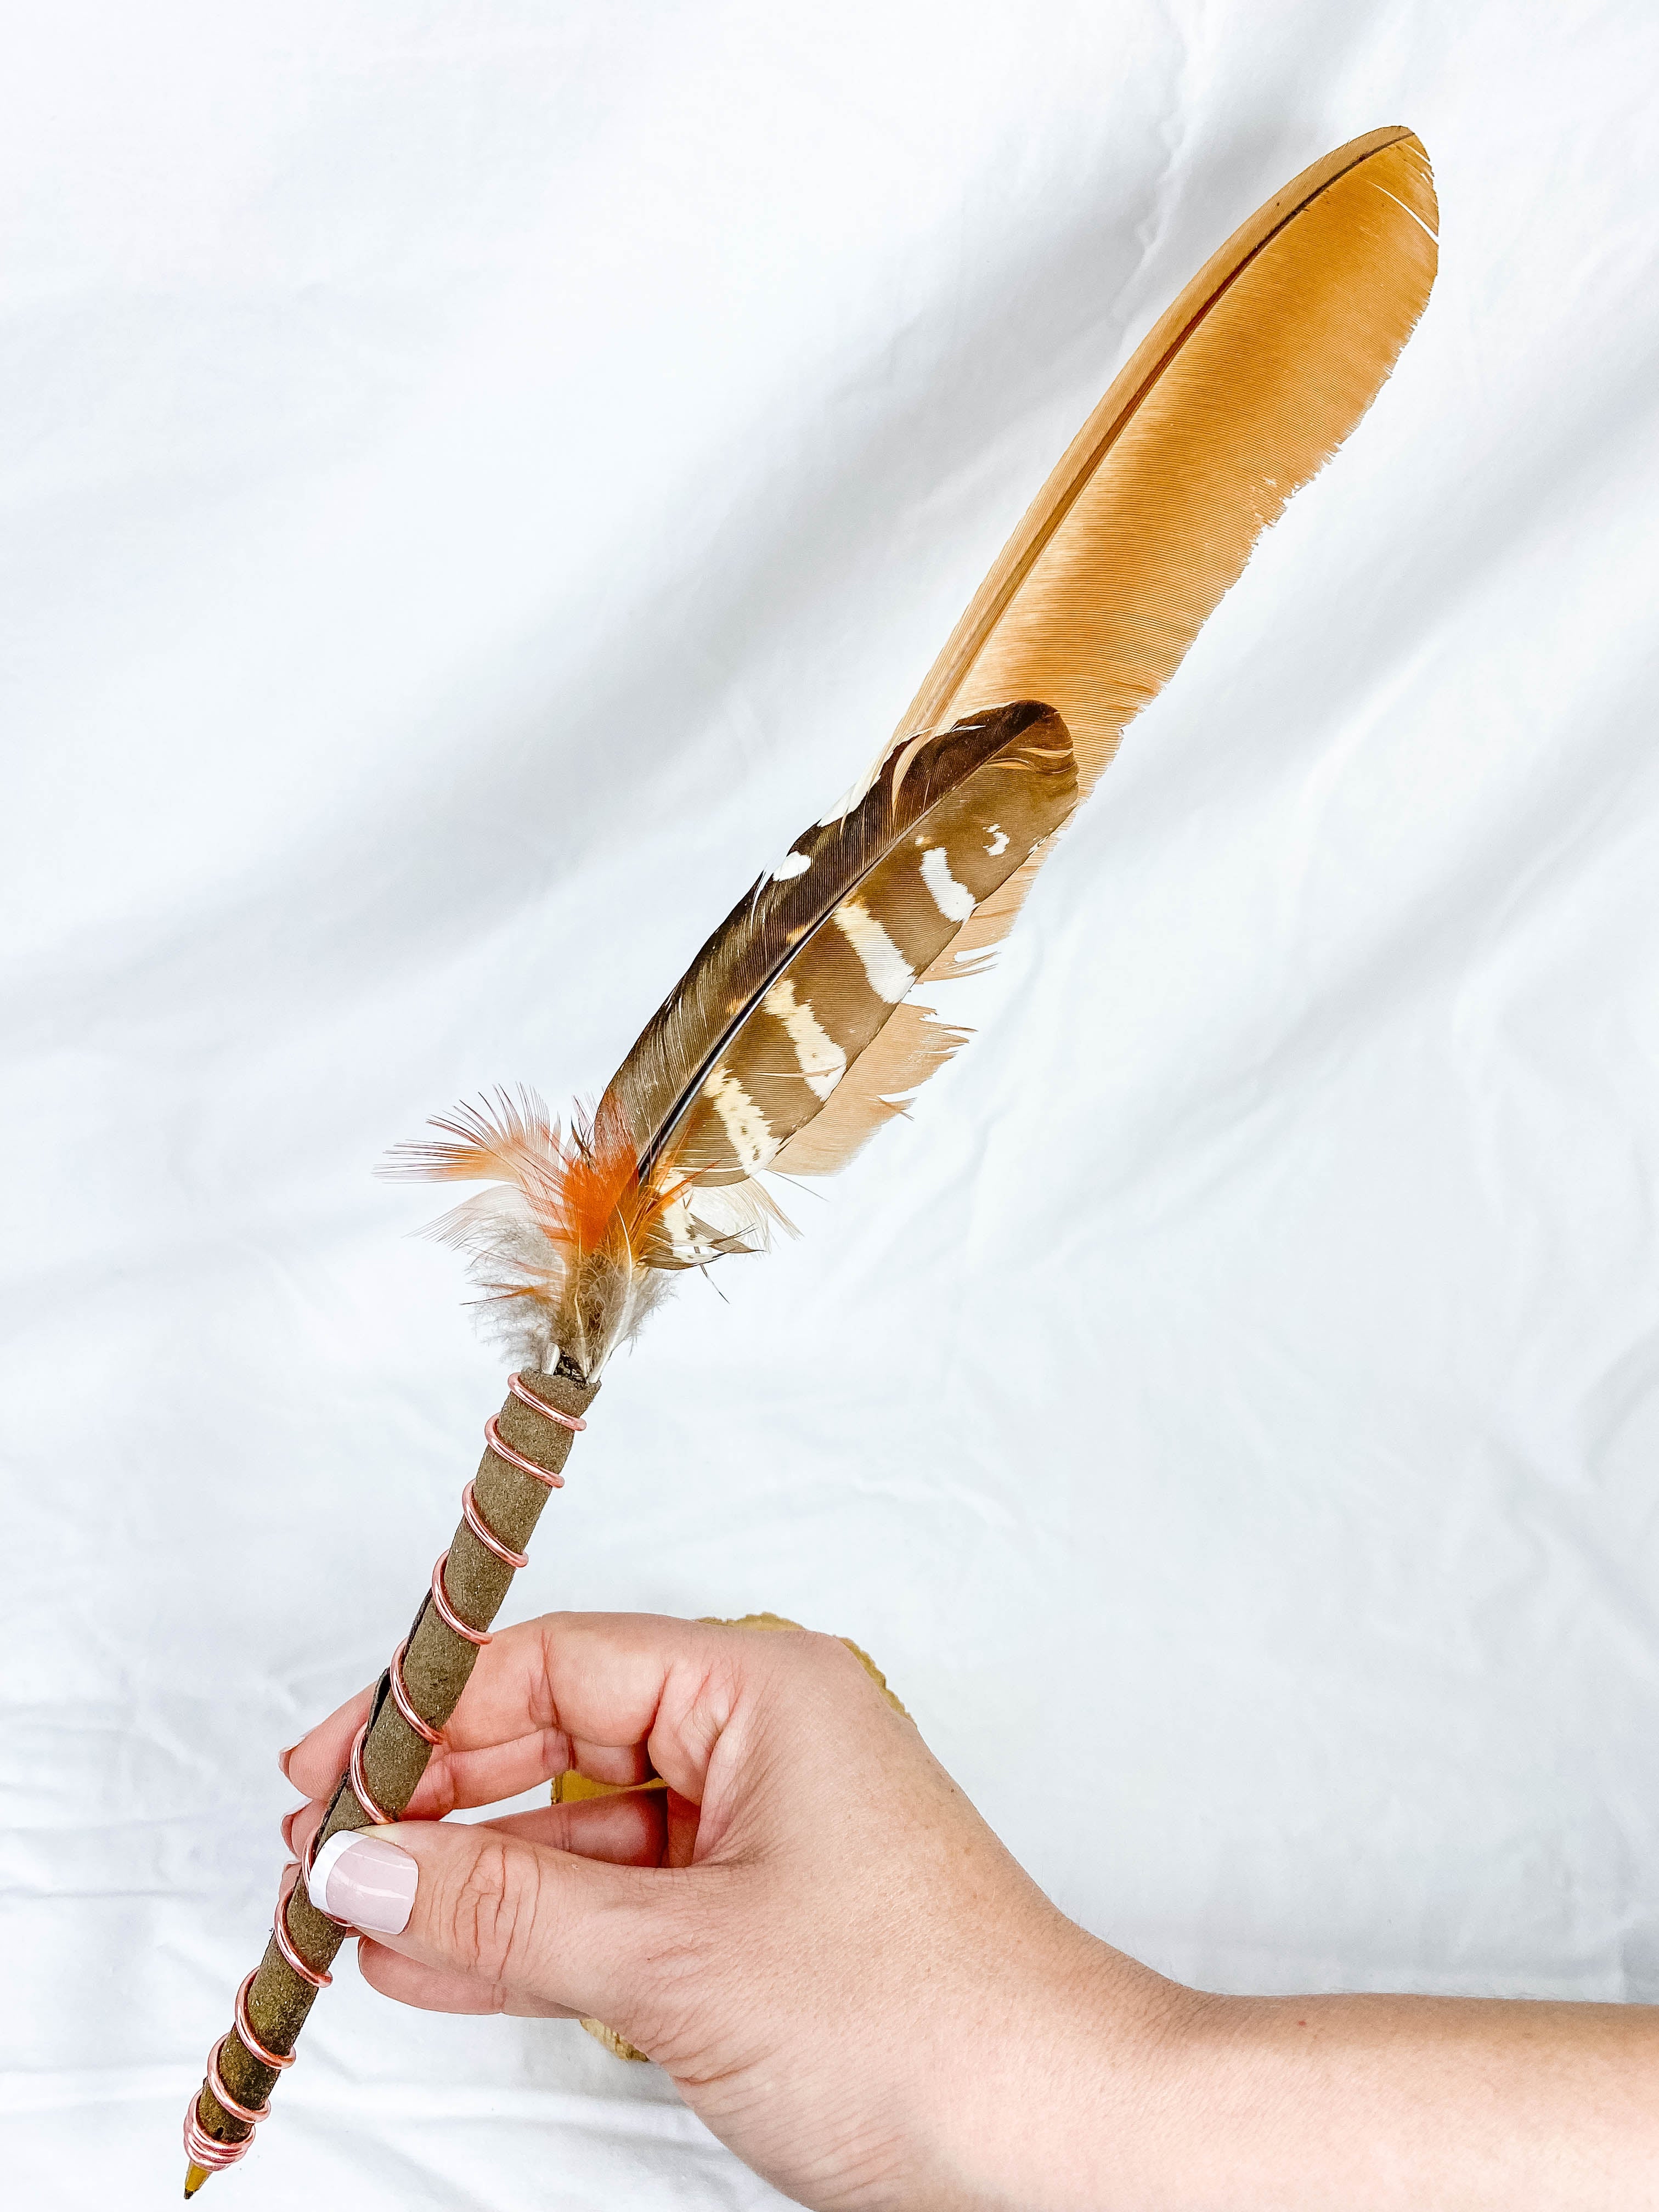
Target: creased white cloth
479, 480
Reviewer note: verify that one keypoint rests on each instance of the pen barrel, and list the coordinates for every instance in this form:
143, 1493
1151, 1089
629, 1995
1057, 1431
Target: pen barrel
527, 1444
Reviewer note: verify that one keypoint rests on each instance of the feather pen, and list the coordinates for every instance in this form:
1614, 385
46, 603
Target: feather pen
794, 1034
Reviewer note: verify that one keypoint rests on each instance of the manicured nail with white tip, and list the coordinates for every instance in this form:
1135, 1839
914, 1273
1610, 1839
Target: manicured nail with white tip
366, 1880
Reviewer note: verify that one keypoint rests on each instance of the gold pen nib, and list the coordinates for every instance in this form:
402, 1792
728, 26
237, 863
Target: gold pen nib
193, 2180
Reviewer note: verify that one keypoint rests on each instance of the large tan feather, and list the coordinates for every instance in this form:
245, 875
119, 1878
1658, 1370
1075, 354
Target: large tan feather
1232, 401
1234, 398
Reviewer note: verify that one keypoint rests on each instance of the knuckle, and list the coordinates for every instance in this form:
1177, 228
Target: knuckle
831, 1663
494, 1913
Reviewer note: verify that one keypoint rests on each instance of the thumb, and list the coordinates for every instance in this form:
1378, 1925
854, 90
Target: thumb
515, 1918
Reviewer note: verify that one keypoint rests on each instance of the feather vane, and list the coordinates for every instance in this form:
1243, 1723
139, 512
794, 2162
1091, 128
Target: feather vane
767, 1032
794, 1034
1237, 396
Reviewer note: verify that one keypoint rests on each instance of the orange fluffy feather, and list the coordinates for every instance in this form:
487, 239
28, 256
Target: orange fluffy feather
567, 1247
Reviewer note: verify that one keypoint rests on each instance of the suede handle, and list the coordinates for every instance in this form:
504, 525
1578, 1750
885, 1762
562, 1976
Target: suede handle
436, 1668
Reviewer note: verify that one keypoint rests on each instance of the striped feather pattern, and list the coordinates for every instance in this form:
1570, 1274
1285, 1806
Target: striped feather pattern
765, 1054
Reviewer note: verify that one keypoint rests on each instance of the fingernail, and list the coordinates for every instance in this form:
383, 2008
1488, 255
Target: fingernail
287, 1829
365, 1881
283, 1757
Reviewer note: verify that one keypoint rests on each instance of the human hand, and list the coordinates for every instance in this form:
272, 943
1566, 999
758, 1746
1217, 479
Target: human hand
861, 1993
812, 1929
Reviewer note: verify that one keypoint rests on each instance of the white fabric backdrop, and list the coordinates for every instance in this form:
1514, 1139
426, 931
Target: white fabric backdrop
479, 478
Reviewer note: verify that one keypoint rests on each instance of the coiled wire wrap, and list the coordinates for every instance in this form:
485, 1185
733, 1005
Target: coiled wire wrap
211, 2152
404, 1703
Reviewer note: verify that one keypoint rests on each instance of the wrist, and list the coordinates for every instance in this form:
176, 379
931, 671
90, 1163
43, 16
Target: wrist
1070, 2093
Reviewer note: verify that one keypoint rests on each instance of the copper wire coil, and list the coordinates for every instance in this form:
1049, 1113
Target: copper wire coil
404, 1703
542, 1474
278, 2061
203, 2149
377, 1816
447, 1612
526, 1396
486, 1535
210, 2151
253, 2114
317, 1977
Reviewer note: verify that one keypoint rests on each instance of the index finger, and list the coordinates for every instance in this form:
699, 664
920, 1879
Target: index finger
541, 1698
478, 1762
621, 1695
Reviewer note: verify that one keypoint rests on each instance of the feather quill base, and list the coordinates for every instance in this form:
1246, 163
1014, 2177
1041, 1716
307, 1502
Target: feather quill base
569, 1249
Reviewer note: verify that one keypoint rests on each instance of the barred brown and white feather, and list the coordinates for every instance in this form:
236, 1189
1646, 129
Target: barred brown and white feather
773, 1030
